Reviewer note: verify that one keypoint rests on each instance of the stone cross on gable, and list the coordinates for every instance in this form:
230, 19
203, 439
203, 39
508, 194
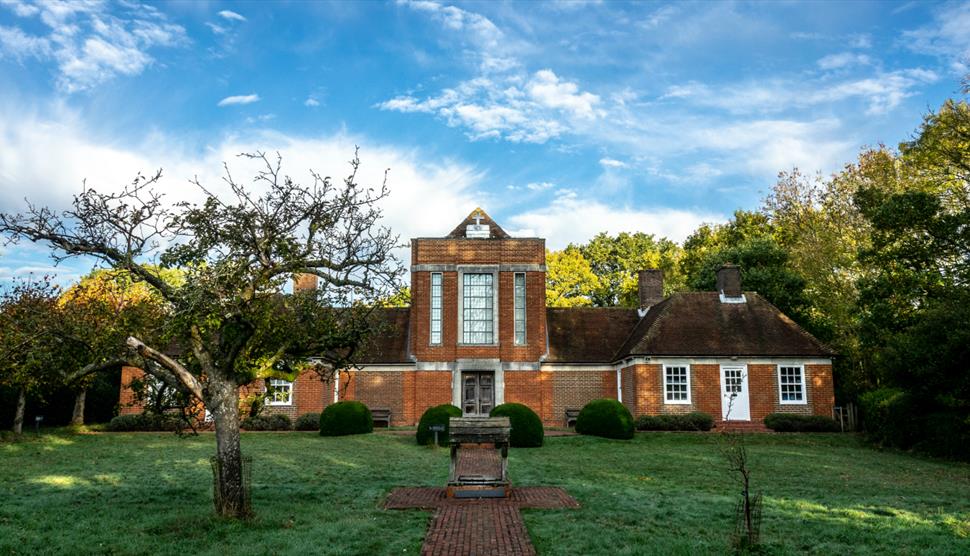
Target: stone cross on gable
478, 218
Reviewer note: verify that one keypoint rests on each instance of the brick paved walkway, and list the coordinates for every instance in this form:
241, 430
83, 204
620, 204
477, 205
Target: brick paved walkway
465, 527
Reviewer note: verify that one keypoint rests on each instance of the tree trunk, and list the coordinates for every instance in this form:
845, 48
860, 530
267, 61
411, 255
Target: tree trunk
232, 497
77, 418
18, 416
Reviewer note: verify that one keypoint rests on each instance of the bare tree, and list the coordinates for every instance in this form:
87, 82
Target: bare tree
227, 315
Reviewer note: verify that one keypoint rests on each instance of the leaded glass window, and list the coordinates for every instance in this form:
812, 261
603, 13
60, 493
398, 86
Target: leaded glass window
436, 308
478, 308
520, 308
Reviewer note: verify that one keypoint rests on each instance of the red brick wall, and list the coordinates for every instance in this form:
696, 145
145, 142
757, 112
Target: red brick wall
126, 397
643, 391
821, 389
484, 252
534, 389
574, 389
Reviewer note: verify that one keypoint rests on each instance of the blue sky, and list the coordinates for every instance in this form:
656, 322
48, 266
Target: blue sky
561, 119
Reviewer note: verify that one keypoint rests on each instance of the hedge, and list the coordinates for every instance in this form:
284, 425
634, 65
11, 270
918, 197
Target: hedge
526, 426
276, 422
696, 421
437, 415
343, 418
143, 422
607, 418
888, 416
307, 422
789, 422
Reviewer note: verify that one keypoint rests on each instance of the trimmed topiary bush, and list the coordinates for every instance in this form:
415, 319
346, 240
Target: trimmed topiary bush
343, 418
437, 415
696, 421
142, 422
787, 422
276, 422
307, 422
527, 429
607, 418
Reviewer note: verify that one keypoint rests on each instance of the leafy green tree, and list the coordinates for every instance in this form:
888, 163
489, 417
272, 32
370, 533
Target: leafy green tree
711, 238
400, 298
764, 268
28, 355
915, 304
97, 315
570, 281
228, 315
615, 261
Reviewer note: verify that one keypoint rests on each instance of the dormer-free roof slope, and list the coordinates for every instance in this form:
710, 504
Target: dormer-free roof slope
700, 324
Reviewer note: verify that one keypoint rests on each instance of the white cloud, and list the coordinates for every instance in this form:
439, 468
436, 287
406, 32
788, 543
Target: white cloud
882, 92
89, 45
948, 36
311, 102
574, 219
231, 15
426, 194
548, 90
612, 163
540, 186
543, 108
842, 60
238, 99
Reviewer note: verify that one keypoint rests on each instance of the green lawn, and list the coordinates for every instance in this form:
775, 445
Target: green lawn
658, 494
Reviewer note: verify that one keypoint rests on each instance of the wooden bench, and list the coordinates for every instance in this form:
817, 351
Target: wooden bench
381, 415
571, 416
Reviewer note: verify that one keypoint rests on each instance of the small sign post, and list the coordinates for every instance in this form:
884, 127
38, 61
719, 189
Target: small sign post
37, 421
436, 429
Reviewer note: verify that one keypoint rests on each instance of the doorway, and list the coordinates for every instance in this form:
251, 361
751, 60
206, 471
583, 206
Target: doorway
477, 393
735, 405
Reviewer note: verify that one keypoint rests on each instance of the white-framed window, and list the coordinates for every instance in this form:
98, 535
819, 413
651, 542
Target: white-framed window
791, 384
677, 384
519, 308
435, 337
478, 308
279, 392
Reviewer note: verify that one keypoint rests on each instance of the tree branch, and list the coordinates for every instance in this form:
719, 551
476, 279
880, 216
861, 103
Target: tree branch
189, 381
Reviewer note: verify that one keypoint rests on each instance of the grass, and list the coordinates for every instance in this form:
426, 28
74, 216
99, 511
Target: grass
661, 493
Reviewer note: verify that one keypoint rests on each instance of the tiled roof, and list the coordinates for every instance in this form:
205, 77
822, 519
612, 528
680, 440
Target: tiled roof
389, 343
495, 231
587, 334
699, 324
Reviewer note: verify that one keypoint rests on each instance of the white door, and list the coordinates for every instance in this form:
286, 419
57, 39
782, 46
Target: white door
734, 393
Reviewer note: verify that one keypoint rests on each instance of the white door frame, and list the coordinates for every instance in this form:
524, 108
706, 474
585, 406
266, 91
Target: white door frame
738, 403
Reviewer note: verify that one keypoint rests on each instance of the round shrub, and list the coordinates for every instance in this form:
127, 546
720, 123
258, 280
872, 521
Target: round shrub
437, 415
526, 426
307, 422
276, 422
343, 418
788, 422
607, 418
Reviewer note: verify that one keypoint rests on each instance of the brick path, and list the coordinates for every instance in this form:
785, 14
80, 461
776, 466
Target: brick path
478, 527
479, 462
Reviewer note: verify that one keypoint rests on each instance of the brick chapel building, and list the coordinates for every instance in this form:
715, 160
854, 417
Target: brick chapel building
478, 334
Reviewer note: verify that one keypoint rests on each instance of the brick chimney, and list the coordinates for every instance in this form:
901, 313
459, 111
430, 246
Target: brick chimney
729, 281
651, 287
304, 282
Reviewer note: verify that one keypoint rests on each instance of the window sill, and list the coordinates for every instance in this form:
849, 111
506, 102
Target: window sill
803, 402
678, 402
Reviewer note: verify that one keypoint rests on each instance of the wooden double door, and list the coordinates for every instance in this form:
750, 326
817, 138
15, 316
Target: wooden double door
477, 392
